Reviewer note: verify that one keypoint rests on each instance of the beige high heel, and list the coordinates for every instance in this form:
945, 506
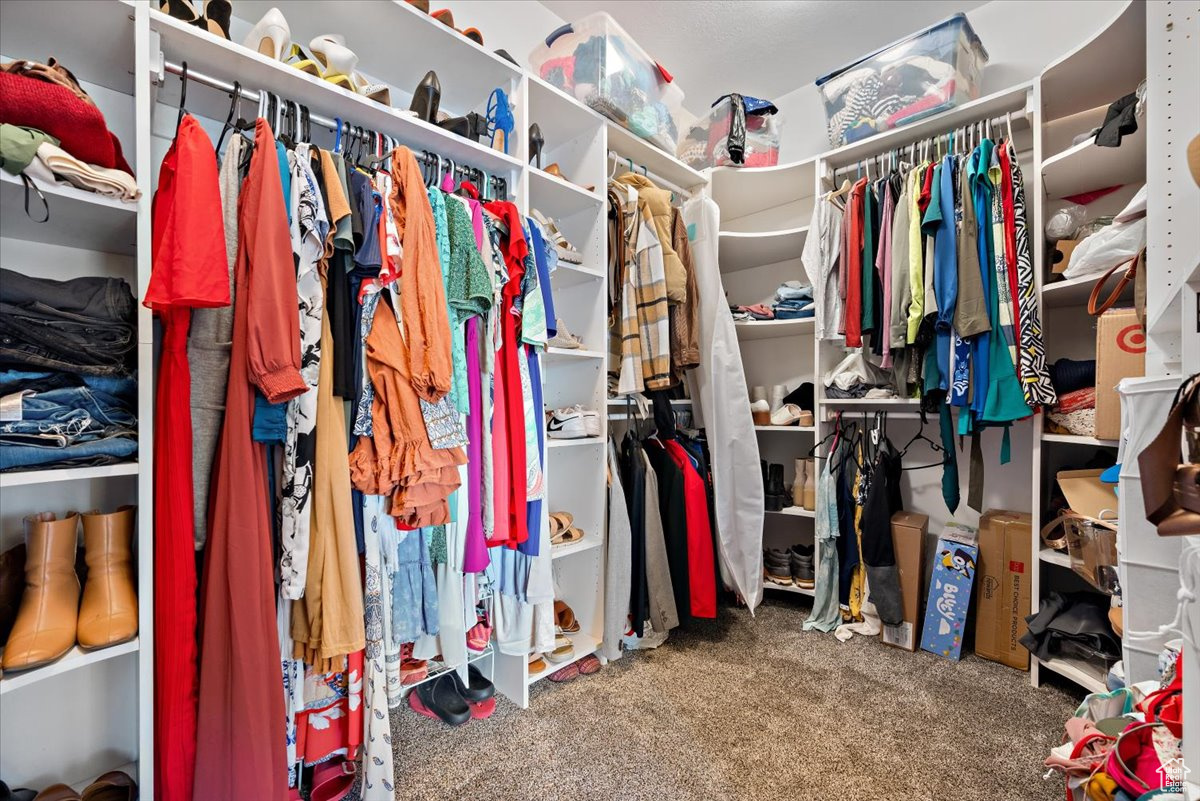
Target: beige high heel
270, 36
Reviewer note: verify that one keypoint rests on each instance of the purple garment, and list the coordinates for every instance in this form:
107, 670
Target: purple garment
533, 509
475, 555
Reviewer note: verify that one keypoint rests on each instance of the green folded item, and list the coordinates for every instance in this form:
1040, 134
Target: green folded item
18, 146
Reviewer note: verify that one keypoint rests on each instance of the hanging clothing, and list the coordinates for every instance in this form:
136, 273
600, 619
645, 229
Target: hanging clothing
189, 269
617, 557
660, 599
821, 262
633, 476
240, 739
722, 407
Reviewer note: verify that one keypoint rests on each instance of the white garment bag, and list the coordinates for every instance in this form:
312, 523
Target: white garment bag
722, 406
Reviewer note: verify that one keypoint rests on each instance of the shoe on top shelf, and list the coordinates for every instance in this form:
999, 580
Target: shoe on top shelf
563, 338
566, 251
574, 422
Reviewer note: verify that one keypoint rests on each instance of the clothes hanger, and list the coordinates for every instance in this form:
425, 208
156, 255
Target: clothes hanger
183, 78
235, 98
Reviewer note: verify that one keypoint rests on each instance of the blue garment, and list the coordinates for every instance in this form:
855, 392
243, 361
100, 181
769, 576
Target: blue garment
945, 266
542, 259
68, 420
414, 590
794, 293
285, 178
981, 197
825, 614
533, 509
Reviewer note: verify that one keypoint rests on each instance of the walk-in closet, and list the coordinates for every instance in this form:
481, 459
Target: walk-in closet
592, 399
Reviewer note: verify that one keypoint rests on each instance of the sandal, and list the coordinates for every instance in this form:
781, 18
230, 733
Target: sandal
589, 664
572, 534
556, 171
564, 649
564, 674
564, 617
478, 637
411, 670
482, 710
566, 251
536, 664
560, 522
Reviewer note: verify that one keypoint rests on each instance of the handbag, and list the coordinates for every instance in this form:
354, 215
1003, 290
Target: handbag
1170, 485
1136, 267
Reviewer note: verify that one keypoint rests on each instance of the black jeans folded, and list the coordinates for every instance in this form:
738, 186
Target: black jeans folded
93, 297
35, 338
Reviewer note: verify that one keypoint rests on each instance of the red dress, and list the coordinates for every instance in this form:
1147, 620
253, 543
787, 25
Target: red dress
240, 737
189, 270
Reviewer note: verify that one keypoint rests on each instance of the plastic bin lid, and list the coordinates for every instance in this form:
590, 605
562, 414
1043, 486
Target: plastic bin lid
956, 19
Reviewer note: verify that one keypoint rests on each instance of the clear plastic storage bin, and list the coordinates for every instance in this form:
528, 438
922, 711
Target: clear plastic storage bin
706, 144
599, 64
922, 74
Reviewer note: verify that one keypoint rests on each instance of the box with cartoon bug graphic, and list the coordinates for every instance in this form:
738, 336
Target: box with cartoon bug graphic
950, 590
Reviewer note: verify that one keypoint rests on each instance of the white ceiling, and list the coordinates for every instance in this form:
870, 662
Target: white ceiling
763, 48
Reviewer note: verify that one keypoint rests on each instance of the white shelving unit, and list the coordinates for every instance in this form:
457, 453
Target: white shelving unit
89, 711
764, 222
1072, 95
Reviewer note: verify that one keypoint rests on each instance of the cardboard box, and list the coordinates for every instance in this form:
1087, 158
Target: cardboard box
950, 591
1120, 353
1002, 587
908, 541
1060, 257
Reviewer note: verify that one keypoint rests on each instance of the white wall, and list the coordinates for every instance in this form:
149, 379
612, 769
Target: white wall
1021, 37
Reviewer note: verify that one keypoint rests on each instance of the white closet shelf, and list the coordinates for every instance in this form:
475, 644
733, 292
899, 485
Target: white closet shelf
73, 660
1053, 557
585, 645
1073, 439
1075, 291
1012, 100
442, 669
588, 542
25, 478
1089, 677
792, 511
558, 114
681, 402
770, 585
468, 72
1100, 70
219, 58
555, 444
793, 429
644, 154
742, 191
1087, 166
741, 251
78, 219
748, 330
572, 274
870, 402
572, 354
94, 38
557, 197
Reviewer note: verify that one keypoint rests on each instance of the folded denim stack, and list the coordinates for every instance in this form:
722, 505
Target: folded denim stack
83, 325
64, 420
794, 301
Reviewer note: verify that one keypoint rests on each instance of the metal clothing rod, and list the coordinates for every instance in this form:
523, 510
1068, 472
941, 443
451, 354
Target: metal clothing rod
830, 415
253, 96
662, 182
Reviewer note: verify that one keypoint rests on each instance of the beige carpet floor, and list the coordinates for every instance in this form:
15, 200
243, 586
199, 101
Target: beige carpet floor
746, 708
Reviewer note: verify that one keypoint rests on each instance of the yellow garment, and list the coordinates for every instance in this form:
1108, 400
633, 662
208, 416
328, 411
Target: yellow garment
916, 274
327, 623
1100, 787
658, 203
858, 579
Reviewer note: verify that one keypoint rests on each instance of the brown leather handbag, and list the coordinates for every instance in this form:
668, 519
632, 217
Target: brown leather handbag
1171, 481
1136, 267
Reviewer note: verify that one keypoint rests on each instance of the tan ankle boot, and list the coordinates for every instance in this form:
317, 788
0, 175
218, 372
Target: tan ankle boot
109, 612
810, 485
798, 485
45, 625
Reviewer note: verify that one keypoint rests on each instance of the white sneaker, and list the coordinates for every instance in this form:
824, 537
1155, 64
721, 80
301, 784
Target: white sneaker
575, 422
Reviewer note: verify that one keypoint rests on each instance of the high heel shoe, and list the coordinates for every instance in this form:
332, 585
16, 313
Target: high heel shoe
216, 17
337, 60
536, 141
427, 97
473, 126
182, 10
500, 120
270, 36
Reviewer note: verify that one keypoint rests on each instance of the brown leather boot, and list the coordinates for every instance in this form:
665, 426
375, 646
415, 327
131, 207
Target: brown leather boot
45, 627
109, 612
